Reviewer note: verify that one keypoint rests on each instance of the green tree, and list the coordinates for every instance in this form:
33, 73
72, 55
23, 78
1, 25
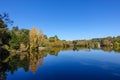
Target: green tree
24, 37
15, 29
4, 33
15, 40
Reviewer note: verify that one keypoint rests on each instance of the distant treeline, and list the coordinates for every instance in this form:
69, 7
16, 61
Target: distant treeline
111, 42
24, 39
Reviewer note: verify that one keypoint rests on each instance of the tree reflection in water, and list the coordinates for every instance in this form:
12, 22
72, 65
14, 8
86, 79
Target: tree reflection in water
3, 66
30, 61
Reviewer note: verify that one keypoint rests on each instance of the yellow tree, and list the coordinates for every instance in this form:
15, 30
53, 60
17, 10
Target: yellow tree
33, 37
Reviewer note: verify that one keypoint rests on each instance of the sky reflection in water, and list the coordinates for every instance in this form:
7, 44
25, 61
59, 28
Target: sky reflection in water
73, 65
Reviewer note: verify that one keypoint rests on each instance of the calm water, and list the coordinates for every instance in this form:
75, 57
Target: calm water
85, 64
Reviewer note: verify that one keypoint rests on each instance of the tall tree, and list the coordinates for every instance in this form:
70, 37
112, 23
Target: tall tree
33, 37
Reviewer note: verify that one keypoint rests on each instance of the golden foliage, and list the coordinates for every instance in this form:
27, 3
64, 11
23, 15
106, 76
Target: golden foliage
33, 37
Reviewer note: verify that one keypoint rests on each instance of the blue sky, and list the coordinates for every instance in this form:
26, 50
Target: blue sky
69, 19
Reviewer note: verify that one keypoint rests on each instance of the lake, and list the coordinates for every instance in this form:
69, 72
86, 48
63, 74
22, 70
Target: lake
84, 64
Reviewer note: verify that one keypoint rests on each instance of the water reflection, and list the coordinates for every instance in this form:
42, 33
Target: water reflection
30, 61
3, 66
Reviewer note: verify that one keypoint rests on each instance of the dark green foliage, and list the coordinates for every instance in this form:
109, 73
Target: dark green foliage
18, 37
15, 29
15, 41
3, 26
24, 36
5, 18
4, 37
4, 33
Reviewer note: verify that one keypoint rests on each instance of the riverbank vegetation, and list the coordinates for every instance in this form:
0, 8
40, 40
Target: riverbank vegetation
34, 40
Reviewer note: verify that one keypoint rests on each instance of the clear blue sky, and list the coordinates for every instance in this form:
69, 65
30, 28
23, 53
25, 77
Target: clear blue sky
69, 19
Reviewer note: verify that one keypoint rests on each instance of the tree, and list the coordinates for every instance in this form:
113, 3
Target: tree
24, 37
41, 35
15, 40
105, 42
41, 38
5, 18
33, 37
4, 33
19, 37
15, 29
